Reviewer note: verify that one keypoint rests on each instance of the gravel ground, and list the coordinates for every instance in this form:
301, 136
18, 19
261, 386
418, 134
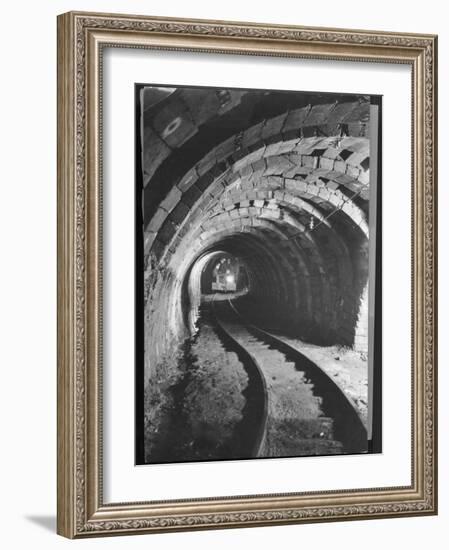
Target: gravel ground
195, 411
213, 398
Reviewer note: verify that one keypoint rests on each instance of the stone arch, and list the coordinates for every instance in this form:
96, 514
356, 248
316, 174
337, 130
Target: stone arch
291, 202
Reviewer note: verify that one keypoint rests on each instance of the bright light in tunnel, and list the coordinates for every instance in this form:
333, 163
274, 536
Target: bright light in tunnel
229, 279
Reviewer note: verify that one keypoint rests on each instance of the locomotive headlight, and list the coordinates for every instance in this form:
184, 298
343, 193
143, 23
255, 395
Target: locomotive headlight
230, 279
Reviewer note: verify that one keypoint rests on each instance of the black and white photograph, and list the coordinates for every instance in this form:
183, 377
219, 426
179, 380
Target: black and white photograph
257, 273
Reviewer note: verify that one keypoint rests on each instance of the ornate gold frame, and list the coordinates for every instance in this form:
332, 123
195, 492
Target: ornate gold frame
81, 37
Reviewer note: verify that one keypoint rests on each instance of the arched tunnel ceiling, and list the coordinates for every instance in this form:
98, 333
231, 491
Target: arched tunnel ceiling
283, 185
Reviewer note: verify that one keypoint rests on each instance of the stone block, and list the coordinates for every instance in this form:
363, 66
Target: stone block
340, 112
206, 203
155, 151
188, 180
295, 121
356, 144
246, 171
358, 217
236, 195
344, 179
272, 182
349, 208
271, 214
240, 164
306, 146
232, 180
324, 193
166, 232
279, 195
360, 113
331, 153
259, 167
191, 196
309, 161
292, 186
174, 125
319, 114
238, 154
352, 171
301, 186
310, 131
158, 249
256, 155
298, 203
272, 149
332, 185
273, 126
148, 240
326, 163
225, 149
172, 199
364, 227
204, 181
288, 145
215, 189
364, 178
337, 199
277, 165
206, 163
179, 213
157, 220
340, 166
247, 185
297, 170
253, 134
357, 129
356, 158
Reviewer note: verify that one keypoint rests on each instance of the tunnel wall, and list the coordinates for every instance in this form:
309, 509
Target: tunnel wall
165, 327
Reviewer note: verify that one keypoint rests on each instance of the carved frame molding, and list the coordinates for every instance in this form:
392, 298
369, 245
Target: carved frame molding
81, 38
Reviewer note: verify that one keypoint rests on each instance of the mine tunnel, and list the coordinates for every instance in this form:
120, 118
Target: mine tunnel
262, 194
286, 194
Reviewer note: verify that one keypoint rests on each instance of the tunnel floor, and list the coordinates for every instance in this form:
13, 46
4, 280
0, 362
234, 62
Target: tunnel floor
237, 396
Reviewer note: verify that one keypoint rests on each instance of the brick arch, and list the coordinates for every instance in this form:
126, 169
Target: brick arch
286, 176
344, 116
296, 167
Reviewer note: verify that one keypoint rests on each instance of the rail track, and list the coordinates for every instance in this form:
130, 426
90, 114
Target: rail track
296, 409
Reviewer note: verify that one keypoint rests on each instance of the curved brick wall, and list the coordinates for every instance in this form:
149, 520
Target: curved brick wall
288, 196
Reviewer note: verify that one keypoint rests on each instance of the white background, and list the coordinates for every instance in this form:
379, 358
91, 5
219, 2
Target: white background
122, 481
28, 273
